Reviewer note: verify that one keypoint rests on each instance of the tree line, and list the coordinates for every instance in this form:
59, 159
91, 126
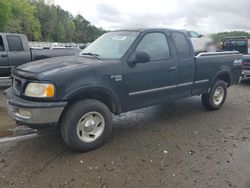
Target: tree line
41, 22
218, 37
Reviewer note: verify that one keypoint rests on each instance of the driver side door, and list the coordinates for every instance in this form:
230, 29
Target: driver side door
156, 80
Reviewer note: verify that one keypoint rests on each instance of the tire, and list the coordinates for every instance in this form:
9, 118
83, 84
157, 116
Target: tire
86, 125
210, 101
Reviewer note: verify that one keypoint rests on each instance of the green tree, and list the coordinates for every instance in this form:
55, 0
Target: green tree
18, 16
70, 30
85, 32
218, 37
60, 35
5, 14
44, 22
47, 18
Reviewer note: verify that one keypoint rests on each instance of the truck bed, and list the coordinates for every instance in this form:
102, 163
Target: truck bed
208, 64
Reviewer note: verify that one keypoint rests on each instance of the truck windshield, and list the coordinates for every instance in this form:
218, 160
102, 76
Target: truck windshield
112, 45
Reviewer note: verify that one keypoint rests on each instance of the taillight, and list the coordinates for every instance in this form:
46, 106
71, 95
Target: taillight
246, 62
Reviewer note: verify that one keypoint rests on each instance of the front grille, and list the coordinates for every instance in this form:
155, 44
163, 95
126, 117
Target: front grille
17, 86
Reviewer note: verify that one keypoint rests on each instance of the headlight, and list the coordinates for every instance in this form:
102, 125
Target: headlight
40, 90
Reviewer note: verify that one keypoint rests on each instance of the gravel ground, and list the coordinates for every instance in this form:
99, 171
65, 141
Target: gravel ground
178, 145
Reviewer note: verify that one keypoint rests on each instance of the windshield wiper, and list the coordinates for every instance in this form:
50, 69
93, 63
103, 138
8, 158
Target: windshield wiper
94, 55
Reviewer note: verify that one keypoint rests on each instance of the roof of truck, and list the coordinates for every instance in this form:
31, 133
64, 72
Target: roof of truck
148, 29
236, 37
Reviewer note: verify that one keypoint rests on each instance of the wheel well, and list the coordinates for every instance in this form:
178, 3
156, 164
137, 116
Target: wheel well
225, 77
101, 96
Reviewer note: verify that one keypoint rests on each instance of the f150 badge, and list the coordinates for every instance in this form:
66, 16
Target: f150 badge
117, 77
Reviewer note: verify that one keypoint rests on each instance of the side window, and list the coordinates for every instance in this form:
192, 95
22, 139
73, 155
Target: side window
15, 43
1, 44
182, 46
194, 34
156, 45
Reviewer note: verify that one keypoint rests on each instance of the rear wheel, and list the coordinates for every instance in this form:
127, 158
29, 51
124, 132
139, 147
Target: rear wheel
86, 125
216, 97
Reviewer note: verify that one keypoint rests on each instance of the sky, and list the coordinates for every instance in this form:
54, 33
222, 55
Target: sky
204, 16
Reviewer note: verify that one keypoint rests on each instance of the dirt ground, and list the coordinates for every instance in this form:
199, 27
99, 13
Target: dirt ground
178, 145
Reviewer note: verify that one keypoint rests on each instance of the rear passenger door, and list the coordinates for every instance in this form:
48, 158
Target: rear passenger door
186, 63
17, 54
4, 66
155, 81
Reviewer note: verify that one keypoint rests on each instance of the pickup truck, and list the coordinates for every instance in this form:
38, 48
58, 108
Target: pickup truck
242, 45
15, 51
121, 71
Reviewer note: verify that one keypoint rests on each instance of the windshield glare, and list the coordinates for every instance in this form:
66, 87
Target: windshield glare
112, 45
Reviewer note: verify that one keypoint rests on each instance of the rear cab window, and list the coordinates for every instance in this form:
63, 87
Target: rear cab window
182, 46
2, 49
15, 43
156, 45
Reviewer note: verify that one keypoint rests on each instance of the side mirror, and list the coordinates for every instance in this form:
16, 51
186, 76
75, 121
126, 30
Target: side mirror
141, 57
200, 36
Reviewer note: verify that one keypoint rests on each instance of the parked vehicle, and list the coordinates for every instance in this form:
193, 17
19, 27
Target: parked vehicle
15, 51
242, 45
120, 71
201, 43
246, 66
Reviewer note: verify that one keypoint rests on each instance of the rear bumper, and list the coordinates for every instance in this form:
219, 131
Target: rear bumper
33, 113
246, 72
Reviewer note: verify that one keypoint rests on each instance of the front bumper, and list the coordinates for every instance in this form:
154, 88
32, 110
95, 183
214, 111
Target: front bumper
32, 112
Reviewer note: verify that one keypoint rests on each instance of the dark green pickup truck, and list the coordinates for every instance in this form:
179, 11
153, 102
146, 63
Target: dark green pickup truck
121, 71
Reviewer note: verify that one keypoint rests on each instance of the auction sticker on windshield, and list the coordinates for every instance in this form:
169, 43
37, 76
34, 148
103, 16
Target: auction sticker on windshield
119, 37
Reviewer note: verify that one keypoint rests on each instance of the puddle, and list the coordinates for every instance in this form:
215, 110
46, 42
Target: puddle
15, 138
17, 133
8, 129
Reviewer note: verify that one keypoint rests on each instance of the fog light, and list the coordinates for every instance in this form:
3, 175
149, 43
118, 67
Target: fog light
24, 113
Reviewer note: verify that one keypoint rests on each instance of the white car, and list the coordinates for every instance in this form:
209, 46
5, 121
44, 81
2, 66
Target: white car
201, 43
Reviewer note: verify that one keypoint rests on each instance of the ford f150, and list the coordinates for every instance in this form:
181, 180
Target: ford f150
120, 71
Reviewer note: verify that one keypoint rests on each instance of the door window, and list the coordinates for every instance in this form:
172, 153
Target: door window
156, 45
194, 34
15, 43
1, 44
182, 46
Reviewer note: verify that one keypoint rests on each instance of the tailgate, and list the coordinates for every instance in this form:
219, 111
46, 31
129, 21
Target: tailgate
246, 62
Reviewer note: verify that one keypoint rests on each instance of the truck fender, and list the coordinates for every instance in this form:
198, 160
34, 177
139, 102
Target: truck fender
223, 75
96, 89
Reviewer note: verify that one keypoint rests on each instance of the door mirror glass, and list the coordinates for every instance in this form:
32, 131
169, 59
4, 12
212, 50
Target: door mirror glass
142, 57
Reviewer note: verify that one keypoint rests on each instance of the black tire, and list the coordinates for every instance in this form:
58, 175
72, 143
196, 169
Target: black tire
207, 99
73, 115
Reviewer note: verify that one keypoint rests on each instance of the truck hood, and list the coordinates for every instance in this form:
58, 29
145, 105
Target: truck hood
57, 64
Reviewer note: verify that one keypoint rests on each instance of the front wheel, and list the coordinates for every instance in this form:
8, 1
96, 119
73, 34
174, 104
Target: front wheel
216, 97
86, 125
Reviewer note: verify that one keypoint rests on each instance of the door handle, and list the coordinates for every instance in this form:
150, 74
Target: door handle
4, 55
171, 69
